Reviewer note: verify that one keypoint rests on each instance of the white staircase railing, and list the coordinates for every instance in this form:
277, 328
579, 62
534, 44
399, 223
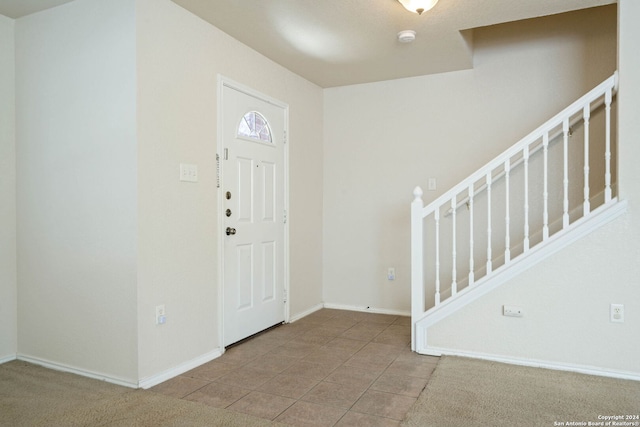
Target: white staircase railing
537, 188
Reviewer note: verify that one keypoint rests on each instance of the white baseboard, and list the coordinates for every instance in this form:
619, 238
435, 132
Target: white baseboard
534, 363
306, 312
8, 358
65, 368
180, 369
144, 383
367, 309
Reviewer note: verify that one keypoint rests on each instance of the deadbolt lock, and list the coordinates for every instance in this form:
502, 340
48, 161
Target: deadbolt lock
228, 212
228, 195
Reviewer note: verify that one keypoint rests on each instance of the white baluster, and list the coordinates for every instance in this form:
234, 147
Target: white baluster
607, 154
471, 266
586, 114
489, 263
454, 284
436, 216
545, 190
417, 272
525, 156
507, 219
565, 179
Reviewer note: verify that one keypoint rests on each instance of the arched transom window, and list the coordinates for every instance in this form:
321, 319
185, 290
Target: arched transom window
254, 125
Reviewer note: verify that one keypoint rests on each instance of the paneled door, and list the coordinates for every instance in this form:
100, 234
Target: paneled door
253, 185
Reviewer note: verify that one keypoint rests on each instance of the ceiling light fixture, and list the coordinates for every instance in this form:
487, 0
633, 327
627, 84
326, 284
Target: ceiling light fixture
418, 6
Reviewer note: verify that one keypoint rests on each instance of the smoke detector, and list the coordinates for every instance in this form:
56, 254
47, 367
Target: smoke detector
406, 36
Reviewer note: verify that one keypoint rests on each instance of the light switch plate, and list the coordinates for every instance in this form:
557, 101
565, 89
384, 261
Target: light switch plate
188, 172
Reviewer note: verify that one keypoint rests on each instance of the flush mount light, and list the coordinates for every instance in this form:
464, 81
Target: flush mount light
406, 36
418, 6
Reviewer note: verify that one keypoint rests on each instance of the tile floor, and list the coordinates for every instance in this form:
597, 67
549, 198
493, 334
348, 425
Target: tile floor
331, 368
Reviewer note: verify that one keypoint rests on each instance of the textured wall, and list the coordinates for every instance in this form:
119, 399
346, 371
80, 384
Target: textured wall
179, 58
383, 139
8, 283
77, 186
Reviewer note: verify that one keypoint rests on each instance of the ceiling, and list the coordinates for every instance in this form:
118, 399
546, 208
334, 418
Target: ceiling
18, 8
344, 42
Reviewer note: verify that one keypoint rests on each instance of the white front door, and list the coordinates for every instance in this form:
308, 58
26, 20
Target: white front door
253, 210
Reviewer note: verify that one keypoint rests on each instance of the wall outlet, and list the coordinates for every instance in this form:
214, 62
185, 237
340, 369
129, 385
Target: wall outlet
391, 273
617, 313
161, 317
512, 311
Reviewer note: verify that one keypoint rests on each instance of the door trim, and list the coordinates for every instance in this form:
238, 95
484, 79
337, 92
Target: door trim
222, 82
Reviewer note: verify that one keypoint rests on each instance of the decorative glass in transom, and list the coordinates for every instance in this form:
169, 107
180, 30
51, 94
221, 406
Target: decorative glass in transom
254, 125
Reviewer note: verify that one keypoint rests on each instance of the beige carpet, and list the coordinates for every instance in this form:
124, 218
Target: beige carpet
34, 396
468, 392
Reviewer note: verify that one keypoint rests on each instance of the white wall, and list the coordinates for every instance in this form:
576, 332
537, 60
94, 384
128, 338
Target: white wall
566, 298
8, 284
179, 58
77, 187
383, 139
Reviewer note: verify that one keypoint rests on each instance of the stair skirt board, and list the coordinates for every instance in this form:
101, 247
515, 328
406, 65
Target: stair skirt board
580, 228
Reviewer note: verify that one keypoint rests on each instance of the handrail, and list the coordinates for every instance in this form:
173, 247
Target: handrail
559, 214
594, 94
552, 137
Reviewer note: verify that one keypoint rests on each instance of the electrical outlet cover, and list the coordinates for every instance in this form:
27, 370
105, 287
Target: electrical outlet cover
617, 313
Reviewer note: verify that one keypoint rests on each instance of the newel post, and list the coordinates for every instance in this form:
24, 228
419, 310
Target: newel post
417, 267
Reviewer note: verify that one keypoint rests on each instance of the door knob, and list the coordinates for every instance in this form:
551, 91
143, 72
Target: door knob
231, 231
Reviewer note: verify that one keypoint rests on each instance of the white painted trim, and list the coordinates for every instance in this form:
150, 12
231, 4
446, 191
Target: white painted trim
597, 200
144, 383
8, 358
367, 309
534, 363
577, 230
82, 372
219, 208
222, 82
163, 376
306, 313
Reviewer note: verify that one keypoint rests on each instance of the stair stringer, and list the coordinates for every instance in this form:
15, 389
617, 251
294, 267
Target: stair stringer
574, 232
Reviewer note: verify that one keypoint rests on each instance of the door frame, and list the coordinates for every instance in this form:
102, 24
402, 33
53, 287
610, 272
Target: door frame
222, 82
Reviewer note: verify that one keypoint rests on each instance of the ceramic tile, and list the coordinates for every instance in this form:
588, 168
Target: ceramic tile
385, 405
393, 339
179, 386
346, 344
218, 395
262, 405
210, 371
272, 363
403, 320
311, 414
246, 378
334, 394
353, 375
412, 368
399, 384
356, 419
363, 332
332, 367
316, 371
288, 386
329, 357
380, 318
